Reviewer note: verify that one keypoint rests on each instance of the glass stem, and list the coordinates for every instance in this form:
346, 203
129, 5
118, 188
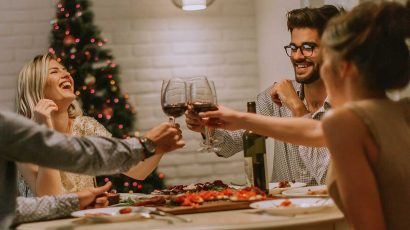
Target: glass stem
171, 120
207, 137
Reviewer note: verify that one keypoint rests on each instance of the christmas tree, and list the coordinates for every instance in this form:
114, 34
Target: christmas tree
77, 43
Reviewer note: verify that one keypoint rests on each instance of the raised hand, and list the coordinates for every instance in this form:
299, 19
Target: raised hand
193, 121
283, 94
167, 137
223, 118
91, 197
43, 110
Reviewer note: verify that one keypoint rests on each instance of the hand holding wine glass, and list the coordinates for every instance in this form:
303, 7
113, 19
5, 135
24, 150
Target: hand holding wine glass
174, 98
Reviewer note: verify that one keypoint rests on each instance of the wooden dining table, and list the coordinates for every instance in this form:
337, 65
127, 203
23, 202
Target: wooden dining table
330, 218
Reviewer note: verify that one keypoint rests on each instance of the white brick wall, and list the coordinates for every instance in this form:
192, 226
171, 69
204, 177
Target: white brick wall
152, 40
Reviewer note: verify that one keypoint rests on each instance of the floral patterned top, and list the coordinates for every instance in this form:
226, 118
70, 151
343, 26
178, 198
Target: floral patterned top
82, 126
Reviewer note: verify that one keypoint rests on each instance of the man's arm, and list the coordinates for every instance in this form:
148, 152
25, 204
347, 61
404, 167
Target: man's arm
283, 93
25, 141
53, 207
230, 144
31, 209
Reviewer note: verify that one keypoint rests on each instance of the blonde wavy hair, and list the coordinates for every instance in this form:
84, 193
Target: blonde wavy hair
30, 87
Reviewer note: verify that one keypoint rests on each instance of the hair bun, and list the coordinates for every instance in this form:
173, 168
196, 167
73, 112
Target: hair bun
394, 19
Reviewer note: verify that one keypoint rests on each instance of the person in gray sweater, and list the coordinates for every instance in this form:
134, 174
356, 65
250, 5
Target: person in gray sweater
19, 136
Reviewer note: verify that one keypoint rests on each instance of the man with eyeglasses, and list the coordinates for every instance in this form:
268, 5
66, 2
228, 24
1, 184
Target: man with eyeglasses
304, 96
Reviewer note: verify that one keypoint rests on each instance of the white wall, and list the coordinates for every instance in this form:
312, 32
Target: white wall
273, 34
24, 29
152, 40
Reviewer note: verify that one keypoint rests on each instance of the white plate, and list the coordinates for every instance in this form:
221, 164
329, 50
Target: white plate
303, 192
137, 213
298, 206
273, 187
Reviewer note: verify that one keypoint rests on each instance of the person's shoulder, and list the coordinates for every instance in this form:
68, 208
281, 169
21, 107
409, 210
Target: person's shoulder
13, 121
8, 115
85, 125
85, 119
335, 116
342, 120
405, 104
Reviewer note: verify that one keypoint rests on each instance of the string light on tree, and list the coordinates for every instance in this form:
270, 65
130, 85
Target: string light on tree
89, 79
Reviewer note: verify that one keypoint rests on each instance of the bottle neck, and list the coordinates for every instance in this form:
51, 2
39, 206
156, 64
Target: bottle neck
251, 107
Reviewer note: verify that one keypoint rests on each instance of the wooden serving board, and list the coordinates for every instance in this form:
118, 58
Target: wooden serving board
210, 206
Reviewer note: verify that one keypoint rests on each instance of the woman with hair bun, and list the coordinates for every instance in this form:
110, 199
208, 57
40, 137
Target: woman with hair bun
365, 54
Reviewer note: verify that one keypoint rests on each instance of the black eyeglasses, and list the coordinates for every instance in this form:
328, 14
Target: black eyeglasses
306, 49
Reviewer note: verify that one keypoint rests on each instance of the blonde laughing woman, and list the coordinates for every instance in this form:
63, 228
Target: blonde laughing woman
46, 95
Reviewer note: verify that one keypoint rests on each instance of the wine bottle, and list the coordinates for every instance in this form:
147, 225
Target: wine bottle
254, 150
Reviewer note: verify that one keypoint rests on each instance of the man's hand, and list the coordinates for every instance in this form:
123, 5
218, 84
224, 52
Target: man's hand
283, 93
193, 121
89, 197
166, 137
42, 112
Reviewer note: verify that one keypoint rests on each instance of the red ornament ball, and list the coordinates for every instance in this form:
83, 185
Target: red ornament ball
68, 40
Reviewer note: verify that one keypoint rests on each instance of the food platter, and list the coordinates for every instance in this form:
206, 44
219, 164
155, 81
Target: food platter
194, 198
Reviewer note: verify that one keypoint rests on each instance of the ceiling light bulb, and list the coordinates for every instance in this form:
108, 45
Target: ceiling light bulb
190, 5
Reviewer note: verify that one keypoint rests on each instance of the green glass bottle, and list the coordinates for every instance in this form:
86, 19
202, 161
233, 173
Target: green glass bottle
254, 150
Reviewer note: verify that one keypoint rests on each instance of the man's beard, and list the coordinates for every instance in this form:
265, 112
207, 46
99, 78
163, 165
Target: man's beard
312, 77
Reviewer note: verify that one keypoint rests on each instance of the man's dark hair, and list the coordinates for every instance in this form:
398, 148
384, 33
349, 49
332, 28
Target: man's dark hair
315, 18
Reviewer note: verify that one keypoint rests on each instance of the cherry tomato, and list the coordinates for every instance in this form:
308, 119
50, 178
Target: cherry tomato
125, 210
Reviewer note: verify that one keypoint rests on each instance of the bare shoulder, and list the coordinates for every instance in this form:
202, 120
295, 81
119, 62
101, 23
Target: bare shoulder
342, 120
343, 129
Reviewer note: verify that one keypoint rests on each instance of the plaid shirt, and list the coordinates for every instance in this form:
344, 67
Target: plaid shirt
290, 162
45, 207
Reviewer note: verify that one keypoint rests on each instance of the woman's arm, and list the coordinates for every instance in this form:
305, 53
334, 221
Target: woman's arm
353, 151
299, 131
144, 168
42, 181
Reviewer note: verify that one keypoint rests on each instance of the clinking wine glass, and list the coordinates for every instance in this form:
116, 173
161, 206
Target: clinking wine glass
202, 100
174, 98
212, 139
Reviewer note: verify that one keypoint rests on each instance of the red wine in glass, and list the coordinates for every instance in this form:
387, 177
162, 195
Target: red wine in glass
175, 110
199, 107
174, 98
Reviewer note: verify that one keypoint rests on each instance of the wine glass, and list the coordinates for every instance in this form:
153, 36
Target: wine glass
202, 100
174, 98
212, 139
